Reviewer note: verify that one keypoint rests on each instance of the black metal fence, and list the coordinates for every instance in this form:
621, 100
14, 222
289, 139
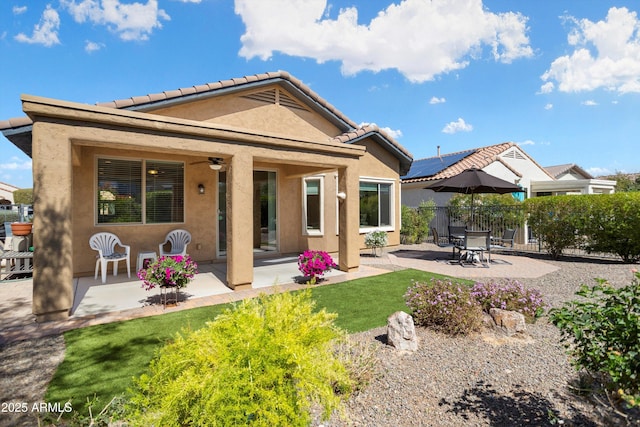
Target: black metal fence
497, 219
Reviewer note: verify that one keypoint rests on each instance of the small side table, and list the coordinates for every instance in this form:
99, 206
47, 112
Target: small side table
145, 255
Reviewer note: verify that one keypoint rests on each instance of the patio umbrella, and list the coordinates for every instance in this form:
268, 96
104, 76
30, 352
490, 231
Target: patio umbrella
474, 181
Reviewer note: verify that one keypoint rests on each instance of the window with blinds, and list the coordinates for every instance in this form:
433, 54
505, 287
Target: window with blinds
139, 191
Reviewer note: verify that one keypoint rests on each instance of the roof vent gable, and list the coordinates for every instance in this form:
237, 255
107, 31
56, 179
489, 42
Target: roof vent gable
276, 96
513, 154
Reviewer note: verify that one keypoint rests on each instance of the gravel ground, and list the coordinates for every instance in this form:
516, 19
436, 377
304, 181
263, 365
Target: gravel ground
481, 380
486, 380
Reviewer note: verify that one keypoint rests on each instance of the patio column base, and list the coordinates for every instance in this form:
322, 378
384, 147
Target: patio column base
52, 317
240, 286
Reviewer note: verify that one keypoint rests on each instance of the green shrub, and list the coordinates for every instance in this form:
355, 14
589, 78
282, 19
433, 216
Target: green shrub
415, 222
602, 334
595, 222
264, 363
613, 225
23, 196
510, 295
551, 220
445, 306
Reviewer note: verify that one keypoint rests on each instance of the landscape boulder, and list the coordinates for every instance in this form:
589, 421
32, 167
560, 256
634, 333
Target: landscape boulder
508, 322
401, 332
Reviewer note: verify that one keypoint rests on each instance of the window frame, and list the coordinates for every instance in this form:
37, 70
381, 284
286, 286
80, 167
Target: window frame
143, 190
392, 203
305, 215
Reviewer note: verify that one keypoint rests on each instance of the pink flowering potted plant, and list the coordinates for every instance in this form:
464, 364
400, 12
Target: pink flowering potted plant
168, 271
313, 265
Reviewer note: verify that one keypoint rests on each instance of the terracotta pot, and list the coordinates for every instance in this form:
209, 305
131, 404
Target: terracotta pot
21, 228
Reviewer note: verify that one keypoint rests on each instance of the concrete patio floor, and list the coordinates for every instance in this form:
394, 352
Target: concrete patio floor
123, 298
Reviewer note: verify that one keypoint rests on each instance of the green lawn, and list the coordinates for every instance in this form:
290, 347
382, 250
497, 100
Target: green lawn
101, 360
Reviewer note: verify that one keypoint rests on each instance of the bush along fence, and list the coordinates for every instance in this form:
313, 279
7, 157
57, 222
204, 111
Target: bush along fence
606, 225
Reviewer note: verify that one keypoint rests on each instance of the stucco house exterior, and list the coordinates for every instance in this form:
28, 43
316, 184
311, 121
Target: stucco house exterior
507, 161
572, 179
6, 193
252, 166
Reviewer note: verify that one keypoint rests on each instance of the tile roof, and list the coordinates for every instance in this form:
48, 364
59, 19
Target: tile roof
558, 170
447, 165
351, 131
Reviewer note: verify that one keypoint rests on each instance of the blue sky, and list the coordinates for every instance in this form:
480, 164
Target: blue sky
560, 78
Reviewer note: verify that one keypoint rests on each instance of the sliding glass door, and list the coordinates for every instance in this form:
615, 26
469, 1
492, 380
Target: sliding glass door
265, 223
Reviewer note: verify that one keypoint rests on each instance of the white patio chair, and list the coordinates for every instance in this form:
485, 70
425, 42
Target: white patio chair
178, 239
105, 244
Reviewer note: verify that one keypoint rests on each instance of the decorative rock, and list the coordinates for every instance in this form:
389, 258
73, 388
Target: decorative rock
401, 332
509, 322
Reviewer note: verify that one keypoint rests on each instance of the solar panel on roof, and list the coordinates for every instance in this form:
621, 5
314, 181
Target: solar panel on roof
424, 168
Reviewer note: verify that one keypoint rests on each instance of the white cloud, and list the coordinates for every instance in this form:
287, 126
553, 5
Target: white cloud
606, 55
436, 100
18, 10
547, 88
418, 38
589, 103
531, 142
90, 46
458, 126
548, 107
527, 142
598, 171
134, 21
16, 164
46, 31
393, 133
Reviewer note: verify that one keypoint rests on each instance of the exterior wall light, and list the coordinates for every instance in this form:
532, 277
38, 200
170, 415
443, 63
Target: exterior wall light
200, 189
342, 195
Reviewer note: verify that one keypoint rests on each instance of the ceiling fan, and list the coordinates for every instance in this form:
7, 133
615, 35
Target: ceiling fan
215, 163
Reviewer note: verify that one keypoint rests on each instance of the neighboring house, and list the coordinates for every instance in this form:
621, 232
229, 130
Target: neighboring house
6, 193
507, 161
251, 166
572, 179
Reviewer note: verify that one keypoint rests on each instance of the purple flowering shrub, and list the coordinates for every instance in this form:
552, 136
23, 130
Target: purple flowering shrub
510, 295
313, 264
174, 270
444, 305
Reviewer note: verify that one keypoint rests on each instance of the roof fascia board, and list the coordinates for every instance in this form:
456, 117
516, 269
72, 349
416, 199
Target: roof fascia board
17, 130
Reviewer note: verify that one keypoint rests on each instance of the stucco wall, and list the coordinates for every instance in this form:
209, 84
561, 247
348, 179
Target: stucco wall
259, 116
